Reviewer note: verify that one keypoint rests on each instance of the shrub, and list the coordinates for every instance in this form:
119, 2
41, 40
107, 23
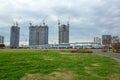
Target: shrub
104, 50
2, 45
81, 51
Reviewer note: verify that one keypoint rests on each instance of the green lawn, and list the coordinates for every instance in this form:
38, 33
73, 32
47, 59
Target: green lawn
56, 65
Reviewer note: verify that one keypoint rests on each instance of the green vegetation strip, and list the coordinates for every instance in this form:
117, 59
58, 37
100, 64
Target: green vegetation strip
56, 65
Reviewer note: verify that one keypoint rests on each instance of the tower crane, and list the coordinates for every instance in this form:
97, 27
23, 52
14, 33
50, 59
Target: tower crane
68, 21
44, 20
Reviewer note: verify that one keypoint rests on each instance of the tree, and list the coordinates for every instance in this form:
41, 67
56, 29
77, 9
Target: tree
116, 44
107, 43
2, 45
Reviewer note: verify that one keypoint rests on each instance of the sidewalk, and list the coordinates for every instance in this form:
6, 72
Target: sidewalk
116, 56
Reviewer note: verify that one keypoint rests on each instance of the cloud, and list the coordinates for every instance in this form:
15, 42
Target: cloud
88, 18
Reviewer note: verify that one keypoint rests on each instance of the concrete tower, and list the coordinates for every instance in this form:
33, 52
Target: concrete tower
38, 35
14, 36
1, 39
63, 33
106, 39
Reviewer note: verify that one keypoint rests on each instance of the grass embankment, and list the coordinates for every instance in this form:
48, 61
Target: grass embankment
56, 65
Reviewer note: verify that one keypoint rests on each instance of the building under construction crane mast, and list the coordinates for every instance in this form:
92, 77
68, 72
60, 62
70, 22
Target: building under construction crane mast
63, 33
38, 35
14, 36
1, 39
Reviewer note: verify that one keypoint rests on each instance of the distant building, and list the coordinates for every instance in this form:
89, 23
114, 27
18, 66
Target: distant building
14, 36
97, 40
63, 33
106, 39
1, 39
38, 35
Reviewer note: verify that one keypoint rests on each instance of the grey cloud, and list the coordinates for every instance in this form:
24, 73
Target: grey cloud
87, 18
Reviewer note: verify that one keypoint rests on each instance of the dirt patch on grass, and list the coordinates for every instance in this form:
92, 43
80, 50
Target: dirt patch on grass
114, 76
88, 70
51, 76
31, 77
67, 53
61, 76
95, 65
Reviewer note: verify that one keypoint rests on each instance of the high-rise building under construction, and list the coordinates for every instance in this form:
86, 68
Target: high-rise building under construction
14, 36
38, 35
1, 39
106, 39
63, 33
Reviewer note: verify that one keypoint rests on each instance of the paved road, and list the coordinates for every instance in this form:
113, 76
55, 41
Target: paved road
116, 56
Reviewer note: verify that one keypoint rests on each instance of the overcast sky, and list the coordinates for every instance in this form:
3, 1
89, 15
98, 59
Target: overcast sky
88, 18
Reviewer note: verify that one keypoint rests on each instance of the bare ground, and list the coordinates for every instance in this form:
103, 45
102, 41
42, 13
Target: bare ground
51, 76
113, 76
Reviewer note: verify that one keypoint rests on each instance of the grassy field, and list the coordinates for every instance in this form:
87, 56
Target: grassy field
56, 65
